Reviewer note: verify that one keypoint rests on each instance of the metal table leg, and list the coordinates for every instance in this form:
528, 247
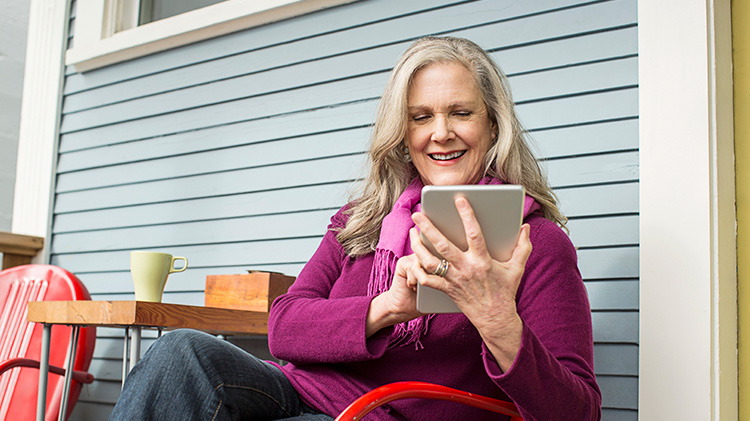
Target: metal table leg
69, 370
125, 349
132, 344
41, 401
135, 346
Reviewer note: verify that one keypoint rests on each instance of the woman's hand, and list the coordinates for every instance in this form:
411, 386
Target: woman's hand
482, 288
399, 303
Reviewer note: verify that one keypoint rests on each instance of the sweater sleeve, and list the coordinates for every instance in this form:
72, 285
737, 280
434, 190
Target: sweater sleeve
552, 377
307, 325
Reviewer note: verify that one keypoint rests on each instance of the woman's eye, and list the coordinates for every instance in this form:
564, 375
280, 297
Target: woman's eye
420, 117
463, 113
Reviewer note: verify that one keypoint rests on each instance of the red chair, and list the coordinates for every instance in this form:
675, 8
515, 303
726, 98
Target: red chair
21, 342
403, 390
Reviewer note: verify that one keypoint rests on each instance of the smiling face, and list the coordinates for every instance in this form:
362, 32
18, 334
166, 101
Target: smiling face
449, 131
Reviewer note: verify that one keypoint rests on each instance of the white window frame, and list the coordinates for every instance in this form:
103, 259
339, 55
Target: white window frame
96, 42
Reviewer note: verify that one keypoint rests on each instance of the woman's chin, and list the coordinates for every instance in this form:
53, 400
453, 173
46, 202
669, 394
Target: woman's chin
450, 180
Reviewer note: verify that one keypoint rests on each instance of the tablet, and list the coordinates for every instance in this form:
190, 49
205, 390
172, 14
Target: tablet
499, 211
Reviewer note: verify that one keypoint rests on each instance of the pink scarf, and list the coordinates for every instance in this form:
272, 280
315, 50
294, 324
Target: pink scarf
394, 244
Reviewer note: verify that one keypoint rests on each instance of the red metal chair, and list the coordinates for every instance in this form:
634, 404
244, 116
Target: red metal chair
21, 342
403, 390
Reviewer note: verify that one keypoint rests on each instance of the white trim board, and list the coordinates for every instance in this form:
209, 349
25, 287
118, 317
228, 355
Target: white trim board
688, 311
92, 48
39, 125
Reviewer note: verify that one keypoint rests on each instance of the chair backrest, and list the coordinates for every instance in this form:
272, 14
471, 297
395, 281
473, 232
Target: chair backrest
411, 389
22, 339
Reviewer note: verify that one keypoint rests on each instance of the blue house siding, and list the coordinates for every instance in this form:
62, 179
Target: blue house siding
235, 151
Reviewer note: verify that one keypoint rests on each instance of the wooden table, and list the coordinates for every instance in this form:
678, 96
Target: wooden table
133, 316
220, 321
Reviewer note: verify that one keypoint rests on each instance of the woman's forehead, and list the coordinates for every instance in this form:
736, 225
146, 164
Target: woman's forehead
450, 81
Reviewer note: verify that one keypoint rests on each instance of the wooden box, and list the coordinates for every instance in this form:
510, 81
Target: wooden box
252, 291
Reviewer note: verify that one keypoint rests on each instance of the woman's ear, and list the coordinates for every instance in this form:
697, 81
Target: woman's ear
405, 151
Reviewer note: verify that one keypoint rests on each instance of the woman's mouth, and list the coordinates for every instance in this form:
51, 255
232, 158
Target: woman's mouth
446, 157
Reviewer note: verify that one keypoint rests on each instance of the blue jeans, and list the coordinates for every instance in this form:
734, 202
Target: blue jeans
190, 375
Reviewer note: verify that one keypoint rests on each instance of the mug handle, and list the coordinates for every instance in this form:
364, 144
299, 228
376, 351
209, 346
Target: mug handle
182, 269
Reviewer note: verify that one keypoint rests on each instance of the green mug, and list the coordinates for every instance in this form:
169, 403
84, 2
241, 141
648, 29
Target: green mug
150, 271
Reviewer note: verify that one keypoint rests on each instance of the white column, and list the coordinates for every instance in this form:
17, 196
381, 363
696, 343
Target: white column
39, 126
688, 364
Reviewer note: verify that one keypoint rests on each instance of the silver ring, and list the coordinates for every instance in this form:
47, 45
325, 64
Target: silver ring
442, 268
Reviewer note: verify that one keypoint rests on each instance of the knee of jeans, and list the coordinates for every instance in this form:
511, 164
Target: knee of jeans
174, 357
185, 338
179, 343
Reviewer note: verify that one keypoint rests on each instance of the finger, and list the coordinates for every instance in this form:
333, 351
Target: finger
443, 246
474, 236
431, 281
411, 279
426, 259
523, 247
401, 266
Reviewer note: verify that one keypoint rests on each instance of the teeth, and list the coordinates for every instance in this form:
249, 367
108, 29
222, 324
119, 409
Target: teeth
441, 157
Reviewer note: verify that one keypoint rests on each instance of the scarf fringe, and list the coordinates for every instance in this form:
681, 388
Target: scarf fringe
411, 332
383, 268
405, 333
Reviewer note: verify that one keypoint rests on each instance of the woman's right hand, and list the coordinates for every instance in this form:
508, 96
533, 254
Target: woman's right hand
399, 303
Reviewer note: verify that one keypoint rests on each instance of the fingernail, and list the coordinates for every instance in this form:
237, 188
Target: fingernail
461, 202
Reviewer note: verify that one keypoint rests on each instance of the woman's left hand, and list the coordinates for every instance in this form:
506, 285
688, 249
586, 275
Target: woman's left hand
483, 289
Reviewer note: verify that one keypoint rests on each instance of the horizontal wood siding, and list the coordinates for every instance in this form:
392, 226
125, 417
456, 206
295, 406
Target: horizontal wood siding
235, 151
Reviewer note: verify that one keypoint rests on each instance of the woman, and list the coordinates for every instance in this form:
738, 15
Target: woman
350, 324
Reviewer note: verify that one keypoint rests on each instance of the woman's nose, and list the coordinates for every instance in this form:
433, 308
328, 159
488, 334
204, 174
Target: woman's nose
441, 130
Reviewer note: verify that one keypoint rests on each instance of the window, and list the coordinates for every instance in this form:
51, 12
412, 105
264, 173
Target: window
132, 13
153, 10
111, 31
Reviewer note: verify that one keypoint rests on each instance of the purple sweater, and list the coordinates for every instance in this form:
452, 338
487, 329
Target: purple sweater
319, 327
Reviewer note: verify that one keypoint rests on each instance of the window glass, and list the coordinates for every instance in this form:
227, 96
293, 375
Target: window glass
153, 10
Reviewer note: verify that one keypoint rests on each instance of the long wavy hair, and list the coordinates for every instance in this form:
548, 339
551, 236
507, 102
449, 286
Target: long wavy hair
509, 157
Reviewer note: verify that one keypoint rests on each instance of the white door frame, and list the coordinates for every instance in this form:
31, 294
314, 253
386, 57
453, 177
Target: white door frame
688, 310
